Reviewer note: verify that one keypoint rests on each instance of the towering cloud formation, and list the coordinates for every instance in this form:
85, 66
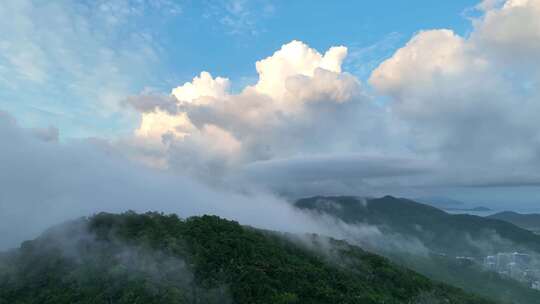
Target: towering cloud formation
293, 75
301, 103
469, 100
511, 32
461, 109
427, 57
163, 118
202, 88
292, 60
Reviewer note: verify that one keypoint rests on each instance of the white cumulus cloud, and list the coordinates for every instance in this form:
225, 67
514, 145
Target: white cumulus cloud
469, 101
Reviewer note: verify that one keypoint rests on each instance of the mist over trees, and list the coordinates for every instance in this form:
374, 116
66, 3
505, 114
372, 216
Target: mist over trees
154, 258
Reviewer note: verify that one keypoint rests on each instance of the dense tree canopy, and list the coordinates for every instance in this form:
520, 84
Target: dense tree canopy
155, 258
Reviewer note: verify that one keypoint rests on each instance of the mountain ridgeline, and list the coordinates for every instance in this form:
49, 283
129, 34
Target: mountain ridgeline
155, 258
451, 234
526, 221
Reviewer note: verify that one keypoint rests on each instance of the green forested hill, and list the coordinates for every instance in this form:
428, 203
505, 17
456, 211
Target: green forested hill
154, 258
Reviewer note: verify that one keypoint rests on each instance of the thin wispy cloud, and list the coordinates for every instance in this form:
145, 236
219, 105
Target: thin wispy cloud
240, 17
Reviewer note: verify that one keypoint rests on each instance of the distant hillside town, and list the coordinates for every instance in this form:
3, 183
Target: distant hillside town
519, 266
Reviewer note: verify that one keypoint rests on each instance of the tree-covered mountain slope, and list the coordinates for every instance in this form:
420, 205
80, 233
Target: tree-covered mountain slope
452, 242
525, 221
452, 234
154, 258
472, 277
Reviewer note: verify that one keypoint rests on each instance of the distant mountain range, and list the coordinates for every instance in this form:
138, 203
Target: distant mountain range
452, 234
475, 209
440, 202
449, 204
451, 239
526, 221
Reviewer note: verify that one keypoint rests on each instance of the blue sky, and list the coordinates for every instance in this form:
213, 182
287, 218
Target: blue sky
161, 44
207, 45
